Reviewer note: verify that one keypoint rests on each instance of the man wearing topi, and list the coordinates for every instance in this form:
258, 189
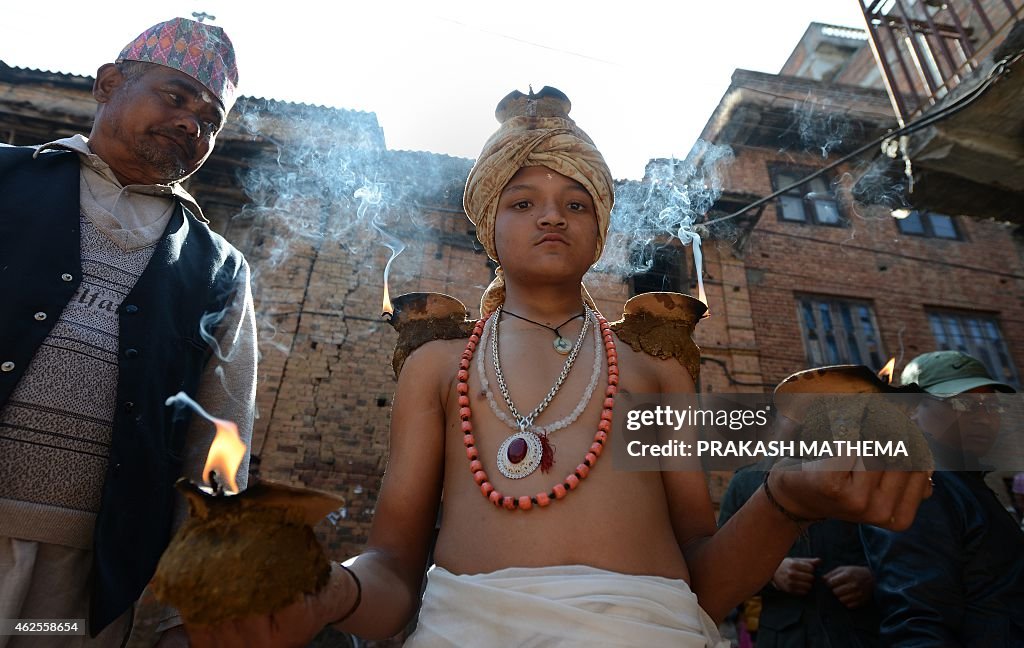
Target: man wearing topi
541, 541
116, 296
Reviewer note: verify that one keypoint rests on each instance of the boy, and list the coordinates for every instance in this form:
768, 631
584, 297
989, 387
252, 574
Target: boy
523, 557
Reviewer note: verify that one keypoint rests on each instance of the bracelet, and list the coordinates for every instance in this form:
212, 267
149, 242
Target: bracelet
795, 519
359, 596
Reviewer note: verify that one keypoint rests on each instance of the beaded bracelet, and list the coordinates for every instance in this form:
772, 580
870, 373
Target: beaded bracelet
795, 519
359, 596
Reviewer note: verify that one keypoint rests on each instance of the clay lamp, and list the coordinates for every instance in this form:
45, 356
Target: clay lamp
661, 324
421, 317
241, 553
851, 403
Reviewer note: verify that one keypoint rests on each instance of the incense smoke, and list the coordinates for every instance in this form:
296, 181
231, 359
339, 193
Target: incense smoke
818, 125
672, 199
325, 189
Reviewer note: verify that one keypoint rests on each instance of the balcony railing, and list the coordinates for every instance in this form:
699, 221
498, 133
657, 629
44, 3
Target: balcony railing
925, 48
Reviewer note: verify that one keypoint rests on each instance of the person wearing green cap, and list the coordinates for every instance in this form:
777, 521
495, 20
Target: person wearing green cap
116, 295
956, 576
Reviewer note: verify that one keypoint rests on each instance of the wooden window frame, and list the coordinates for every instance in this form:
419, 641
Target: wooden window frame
802, 192
868, 350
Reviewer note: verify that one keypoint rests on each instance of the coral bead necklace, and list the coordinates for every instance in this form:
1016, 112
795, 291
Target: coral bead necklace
571, 481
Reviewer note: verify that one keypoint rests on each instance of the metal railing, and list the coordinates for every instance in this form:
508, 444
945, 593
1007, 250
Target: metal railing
925, 48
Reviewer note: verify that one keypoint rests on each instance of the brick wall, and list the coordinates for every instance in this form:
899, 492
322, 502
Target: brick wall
900, 275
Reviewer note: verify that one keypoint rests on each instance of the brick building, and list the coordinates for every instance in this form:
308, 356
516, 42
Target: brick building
833, 280
809, 278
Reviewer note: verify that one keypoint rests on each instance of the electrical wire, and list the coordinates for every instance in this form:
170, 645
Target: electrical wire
997, 72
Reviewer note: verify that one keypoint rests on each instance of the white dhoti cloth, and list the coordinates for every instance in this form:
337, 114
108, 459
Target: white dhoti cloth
573, 605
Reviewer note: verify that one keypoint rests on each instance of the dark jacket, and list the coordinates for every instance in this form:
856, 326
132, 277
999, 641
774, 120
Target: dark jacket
956, 576
817, 619
192, 272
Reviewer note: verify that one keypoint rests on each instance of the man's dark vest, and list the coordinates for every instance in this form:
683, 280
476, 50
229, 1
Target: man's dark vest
160, 352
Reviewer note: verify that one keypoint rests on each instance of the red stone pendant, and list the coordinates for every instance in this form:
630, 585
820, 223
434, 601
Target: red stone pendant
520, 454
516, 450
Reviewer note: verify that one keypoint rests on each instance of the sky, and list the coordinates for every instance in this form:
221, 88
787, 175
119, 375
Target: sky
643, 75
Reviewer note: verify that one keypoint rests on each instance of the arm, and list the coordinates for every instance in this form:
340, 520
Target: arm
390, 571
723, 566
723, 569
918, 587
738, 492
794, 575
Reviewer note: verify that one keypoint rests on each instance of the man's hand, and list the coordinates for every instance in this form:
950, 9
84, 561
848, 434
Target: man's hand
795, 575
852, 584
840, 488
293, 626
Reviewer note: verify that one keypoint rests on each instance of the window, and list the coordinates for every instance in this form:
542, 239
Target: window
976, 335
810, 202
667, 272
917, 223
839, 331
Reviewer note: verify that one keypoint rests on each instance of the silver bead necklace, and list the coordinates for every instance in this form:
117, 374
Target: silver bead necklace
543, 430
521, 453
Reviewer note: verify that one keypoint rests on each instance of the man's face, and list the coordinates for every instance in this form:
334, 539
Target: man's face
546, 226
156, 129
968, 422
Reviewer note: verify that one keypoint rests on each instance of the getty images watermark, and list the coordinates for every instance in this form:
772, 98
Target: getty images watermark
669, 418
727, 431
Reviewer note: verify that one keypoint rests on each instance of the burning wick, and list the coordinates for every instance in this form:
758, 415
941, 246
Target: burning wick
886, 372
689, 234
226, 451
218, 489
388, 310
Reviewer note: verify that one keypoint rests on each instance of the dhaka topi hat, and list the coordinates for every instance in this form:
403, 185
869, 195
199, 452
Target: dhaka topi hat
204, 52
535, 130
949, 373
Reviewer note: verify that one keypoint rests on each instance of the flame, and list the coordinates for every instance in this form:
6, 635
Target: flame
886, 372
227, 450
388, 309
226, 454
703, 297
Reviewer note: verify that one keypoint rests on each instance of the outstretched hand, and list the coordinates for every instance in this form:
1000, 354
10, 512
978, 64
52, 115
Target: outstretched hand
293, 626
841, 488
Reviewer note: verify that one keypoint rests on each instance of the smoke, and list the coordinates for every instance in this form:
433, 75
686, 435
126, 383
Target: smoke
818, 126
879, 183
305, 177
670, 202
207, 325
324, 189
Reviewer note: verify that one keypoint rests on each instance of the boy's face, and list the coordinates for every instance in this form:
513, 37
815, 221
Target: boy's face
545, 226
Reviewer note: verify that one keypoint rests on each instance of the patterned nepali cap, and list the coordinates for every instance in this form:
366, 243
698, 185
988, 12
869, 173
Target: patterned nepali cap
204, 52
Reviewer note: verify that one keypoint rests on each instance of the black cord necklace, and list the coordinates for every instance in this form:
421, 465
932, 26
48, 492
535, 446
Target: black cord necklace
561, 344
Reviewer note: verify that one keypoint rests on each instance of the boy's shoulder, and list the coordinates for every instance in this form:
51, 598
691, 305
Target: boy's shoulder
438, 358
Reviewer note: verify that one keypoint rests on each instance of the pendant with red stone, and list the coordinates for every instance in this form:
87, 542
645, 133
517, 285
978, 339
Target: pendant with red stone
520, 455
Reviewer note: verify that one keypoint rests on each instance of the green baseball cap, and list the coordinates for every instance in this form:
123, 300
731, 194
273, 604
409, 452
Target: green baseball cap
948, 373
